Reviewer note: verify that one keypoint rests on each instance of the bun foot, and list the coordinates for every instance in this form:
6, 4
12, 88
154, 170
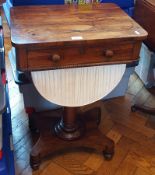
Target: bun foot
108, 153
108, 156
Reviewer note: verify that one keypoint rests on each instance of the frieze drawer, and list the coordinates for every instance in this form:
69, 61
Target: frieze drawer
79, 56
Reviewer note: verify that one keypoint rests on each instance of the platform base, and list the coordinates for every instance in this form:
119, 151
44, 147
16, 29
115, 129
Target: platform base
49, 143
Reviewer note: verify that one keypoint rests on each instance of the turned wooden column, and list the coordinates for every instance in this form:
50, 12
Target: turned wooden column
69, 127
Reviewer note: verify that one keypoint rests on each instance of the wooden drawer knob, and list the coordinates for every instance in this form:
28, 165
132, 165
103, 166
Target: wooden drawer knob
109, 53
56, 58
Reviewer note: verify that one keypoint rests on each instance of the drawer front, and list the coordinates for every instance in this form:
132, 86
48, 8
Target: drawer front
81, 56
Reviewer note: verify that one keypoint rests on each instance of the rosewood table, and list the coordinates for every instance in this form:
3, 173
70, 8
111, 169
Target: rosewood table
69, 51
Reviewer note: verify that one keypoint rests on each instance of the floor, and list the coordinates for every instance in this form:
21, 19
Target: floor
133, 133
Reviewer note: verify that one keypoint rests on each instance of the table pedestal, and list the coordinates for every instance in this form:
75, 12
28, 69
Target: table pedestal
63, 133
69, 127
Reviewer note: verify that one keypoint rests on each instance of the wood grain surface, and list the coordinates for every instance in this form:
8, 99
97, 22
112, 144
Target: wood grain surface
60, 36
65, 24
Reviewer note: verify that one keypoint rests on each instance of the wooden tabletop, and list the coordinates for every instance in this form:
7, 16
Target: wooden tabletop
71, 24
